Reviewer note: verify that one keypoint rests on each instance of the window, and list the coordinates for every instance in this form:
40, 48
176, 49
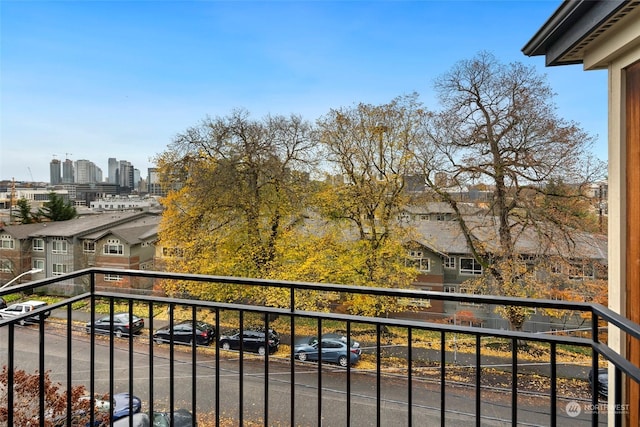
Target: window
580, 270
113, 247
146, 265
59, 269
38, 263
38, 245
449, 262
419, 260
89, 246
424, 217
471, 291
450, 288
470, 266
330, 344
6, 241
6, 266
112, 277
404, 217
59, 245
172, 252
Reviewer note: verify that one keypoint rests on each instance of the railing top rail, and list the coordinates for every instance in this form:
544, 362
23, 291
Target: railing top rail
333, 287
617, 360
631, 328
24, 287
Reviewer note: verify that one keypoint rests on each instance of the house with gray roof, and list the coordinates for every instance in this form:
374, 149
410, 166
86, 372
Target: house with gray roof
438, 249
444, 260
116, 240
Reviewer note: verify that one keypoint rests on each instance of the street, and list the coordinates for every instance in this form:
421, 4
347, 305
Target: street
394, 390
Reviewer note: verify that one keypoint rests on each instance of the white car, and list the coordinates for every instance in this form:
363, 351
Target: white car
20, 308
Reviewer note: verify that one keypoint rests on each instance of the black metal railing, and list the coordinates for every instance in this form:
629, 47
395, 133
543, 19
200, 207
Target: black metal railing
410, 372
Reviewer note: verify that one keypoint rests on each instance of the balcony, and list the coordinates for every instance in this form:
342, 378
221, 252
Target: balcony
411, 372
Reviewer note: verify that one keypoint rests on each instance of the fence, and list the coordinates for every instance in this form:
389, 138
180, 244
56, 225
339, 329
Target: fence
408, 372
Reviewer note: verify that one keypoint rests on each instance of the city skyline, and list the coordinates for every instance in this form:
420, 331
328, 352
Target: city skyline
81, 79
82, 171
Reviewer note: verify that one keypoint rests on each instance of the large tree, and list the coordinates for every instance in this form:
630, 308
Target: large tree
498, 126
369, 149
57, 209
24, 214
243, 182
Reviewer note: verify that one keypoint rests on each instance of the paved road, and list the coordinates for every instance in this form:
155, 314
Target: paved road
242, 385
420, 354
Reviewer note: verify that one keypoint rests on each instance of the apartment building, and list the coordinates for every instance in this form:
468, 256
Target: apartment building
121, 240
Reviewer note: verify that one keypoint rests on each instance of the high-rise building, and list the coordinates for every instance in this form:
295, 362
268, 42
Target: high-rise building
55, 172
113, 171
85, 171
154, 186
136, 179
125, 174
153, 183
67, 172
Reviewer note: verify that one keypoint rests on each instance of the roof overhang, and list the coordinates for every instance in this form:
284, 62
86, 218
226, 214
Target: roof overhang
573, 27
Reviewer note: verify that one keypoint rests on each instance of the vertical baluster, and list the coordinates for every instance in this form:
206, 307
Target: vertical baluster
266, 368
443, 361
514, 382
378, 377
151, 364
409, 375
319, 371
554, 386
478, 381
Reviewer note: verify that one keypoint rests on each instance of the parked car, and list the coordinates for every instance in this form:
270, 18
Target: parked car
183, 333
181, 418
252, 340
121, 325
603, 381
342, 338
18, 309
334, 336
332, 350
124, 408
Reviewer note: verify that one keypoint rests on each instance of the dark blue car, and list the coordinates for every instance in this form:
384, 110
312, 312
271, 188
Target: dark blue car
332, 351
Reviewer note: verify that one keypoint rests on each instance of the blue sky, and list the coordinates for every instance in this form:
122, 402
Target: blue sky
100, 79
